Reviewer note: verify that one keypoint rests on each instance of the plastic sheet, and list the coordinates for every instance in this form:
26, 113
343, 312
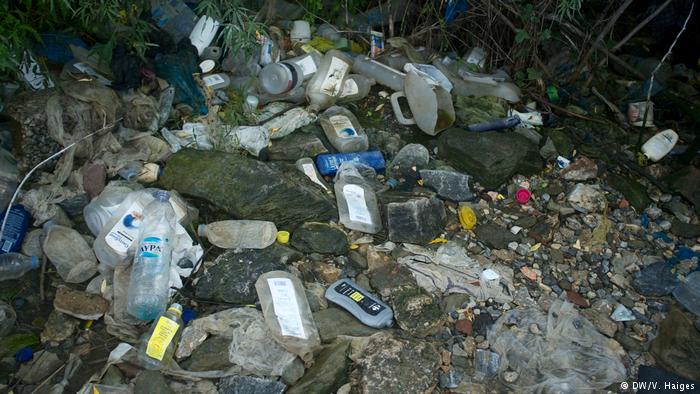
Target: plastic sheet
558, 352
252, 347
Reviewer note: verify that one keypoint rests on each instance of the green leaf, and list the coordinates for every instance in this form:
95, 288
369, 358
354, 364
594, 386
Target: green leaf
521, 35
546, 34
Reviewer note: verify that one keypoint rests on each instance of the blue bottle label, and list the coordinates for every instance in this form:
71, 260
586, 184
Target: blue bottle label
151, 247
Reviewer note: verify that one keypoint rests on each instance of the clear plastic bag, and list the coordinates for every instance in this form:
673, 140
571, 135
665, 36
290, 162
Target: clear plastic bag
287, 313
558, 352
251, 347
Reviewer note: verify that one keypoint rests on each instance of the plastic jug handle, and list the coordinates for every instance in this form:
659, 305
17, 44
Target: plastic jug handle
397, 109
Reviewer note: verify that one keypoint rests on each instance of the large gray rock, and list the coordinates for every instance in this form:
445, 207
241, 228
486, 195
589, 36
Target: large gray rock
319, 238
677, 347
232, 278
328, 373
295, 146
492, 157
211, 355
415, 220
247, 188
390, 365
409, 159
152, 382
448, 184
333, 322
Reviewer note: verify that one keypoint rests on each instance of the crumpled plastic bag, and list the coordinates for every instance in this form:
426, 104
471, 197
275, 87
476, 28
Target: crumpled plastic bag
253, 348
451, 270
219, 324
141, 112
252, 139
192, 135
565, 355
293, 119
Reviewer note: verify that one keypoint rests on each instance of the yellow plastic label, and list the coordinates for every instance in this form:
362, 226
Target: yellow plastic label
161, 338
357, 296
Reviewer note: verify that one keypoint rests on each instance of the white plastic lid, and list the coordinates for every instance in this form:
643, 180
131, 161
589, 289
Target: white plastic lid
207, 65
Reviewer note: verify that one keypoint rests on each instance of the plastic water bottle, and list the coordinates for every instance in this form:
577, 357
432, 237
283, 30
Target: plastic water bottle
150, 274
14, 265
158, 344
357, 203
328, 164
232, 234
15, 230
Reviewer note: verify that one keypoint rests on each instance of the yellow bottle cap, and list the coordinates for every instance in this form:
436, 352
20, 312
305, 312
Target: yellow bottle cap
283, 237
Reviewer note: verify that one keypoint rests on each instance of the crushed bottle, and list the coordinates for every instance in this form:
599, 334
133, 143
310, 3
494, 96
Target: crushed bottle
357, 203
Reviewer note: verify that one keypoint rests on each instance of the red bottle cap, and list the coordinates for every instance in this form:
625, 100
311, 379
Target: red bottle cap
522, 196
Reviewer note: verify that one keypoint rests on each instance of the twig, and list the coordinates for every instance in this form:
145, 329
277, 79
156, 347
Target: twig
567, 112
663, 59
618, 115
599, 39
640, 26
55, 155
48, 379
42, 296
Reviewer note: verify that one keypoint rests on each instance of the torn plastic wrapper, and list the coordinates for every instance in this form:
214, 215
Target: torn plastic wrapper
450, 270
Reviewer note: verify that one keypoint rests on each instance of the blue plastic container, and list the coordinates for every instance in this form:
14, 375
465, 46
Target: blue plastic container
15, 230
328, 164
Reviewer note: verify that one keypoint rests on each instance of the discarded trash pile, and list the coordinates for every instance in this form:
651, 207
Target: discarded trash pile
310, 219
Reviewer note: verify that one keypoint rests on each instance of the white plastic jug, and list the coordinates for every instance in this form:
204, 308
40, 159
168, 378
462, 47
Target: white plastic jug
203, 33
431, 105
659, 145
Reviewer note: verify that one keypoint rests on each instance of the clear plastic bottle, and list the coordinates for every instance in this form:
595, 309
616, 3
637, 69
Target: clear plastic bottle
278, 78
308, 63
287, 313
307, 166
8, 177
382, 74
69, 252
232, 234
357, 202
100, 210
14, 265
343, 130
150, 274
356, 88
325, 87
158, 345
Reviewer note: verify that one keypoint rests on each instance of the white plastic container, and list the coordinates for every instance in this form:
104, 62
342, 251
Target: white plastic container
381, 73
356, 88
357, 203
98, 212
659, 145
343, 130
308, 63
203, 33
300, 33
232, 234
325, 87
217, 81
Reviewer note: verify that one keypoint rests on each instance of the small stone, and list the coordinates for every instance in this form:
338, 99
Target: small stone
529, 273
250, 385
84, 306
535, 329
327, 272
148, 381
510, 376
577, 299
581, 170
624, 204
58, 327
464, 326
587, 197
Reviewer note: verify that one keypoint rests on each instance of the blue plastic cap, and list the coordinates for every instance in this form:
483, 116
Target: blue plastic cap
188, 315
24, 354
35, 262
161, 195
